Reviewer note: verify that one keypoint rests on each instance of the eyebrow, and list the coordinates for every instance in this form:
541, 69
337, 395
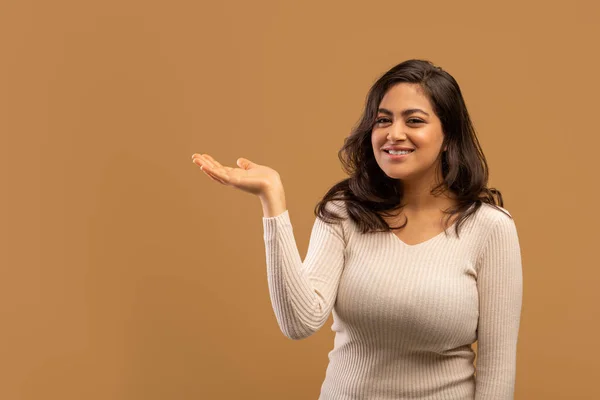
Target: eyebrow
404, 113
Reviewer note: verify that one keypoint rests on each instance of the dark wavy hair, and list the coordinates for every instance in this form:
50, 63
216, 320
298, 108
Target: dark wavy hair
369, 193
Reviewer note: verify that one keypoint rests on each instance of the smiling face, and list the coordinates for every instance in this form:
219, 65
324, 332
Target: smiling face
405, 119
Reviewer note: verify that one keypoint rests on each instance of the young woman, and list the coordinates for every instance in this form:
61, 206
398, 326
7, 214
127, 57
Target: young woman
414, 255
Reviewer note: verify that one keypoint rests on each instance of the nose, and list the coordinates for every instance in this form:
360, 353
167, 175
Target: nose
396, 132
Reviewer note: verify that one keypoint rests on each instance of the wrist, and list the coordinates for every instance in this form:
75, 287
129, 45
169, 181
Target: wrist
273, 202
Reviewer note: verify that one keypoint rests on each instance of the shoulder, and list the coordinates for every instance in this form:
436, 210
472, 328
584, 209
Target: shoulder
336, 207
489, 216
496, 227
499, 247
493, 223
337, 218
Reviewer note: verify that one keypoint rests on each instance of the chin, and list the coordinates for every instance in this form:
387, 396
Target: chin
397, 175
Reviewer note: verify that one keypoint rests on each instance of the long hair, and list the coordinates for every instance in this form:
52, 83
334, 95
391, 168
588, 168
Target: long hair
369, 193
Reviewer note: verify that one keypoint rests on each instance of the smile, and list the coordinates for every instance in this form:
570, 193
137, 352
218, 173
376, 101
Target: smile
397, 155
398, 152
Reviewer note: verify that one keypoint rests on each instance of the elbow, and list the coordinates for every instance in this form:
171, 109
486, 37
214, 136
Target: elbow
296, 336
297, 332
297, 327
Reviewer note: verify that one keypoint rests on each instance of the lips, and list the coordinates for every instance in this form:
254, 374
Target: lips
397, 157
397, 148
388, 150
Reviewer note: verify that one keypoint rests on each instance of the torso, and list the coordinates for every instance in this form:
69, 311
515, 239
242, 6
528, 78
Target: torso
407, 311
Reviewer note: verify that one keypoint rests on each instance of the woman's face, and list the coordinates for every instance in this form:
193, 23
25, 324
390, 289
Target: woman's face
405, 119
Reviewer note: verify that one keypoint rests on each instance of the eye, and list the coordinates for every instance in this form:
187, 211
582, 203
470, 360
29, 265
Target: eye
416, 121
381, 120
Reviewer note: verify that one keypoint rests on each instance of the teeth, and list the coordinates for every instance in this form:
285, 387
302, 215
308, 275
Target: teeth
399, 152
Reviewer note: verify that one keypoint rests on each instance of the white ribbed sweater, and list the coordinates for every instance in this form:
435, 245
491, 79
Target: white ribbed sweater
405, 316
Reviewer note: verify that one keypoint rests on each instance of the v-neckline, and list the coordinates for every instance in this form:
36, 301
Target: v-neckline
426, 241
431, 239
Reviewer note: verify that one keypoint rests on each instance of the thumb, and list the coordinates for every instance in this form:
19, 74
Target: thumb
244, 163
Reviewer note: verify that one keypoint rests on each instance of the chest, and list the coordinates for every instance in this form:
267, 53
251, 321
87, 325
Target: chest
426, 293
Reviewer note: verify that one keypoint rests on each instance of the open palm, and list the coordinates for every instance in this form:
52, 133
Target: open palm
250, 177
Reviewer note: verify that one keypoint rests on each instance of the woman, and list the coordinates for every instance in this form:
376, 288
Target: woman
414, 255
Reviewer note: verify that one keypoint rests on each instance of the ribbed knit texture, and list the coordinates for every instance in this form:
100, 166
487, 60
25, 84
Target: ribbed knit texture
405, 316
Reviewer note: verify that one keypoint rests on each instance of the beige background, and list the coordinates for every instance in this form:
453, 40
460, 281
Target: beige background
128, 274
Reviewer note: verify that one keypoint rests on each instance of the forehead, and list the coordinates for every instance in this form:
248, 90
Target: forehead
404, 95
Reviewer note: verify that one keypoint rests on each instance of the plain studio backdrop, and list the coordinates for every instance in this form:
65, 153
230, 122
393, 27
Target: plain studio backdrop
126, 273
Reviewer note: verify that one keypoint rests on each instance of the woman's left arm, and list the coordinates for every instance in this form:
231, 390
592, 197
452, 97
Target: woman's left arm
500, 287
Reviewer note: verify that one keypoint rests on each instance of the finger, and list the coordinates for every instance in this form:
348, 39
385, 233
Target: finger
206, 167
214, 169
207, 160
217, 169
197, 159
221, 174
215, 162
203, 161
211, 175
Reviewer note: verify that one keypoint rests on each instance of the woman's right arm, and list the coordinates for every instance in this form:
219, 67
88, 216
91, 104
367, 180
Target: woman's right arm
302, 292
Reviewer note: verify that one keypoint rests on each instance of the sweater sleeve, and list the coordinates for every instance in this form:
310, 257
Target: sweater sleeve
500, 288
302, 292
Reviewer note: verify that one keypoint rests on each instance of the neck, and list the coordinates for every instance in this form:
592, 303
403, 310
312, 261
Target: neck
417, 196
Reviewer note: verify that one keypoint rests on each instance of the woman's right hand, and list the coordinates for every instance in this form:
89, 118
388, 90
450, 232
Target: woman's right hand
253, 178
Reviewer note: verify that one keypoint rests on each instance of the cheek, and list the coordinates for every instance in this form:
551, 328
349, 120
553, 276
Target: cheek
377, 140
375, 135
428, 140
